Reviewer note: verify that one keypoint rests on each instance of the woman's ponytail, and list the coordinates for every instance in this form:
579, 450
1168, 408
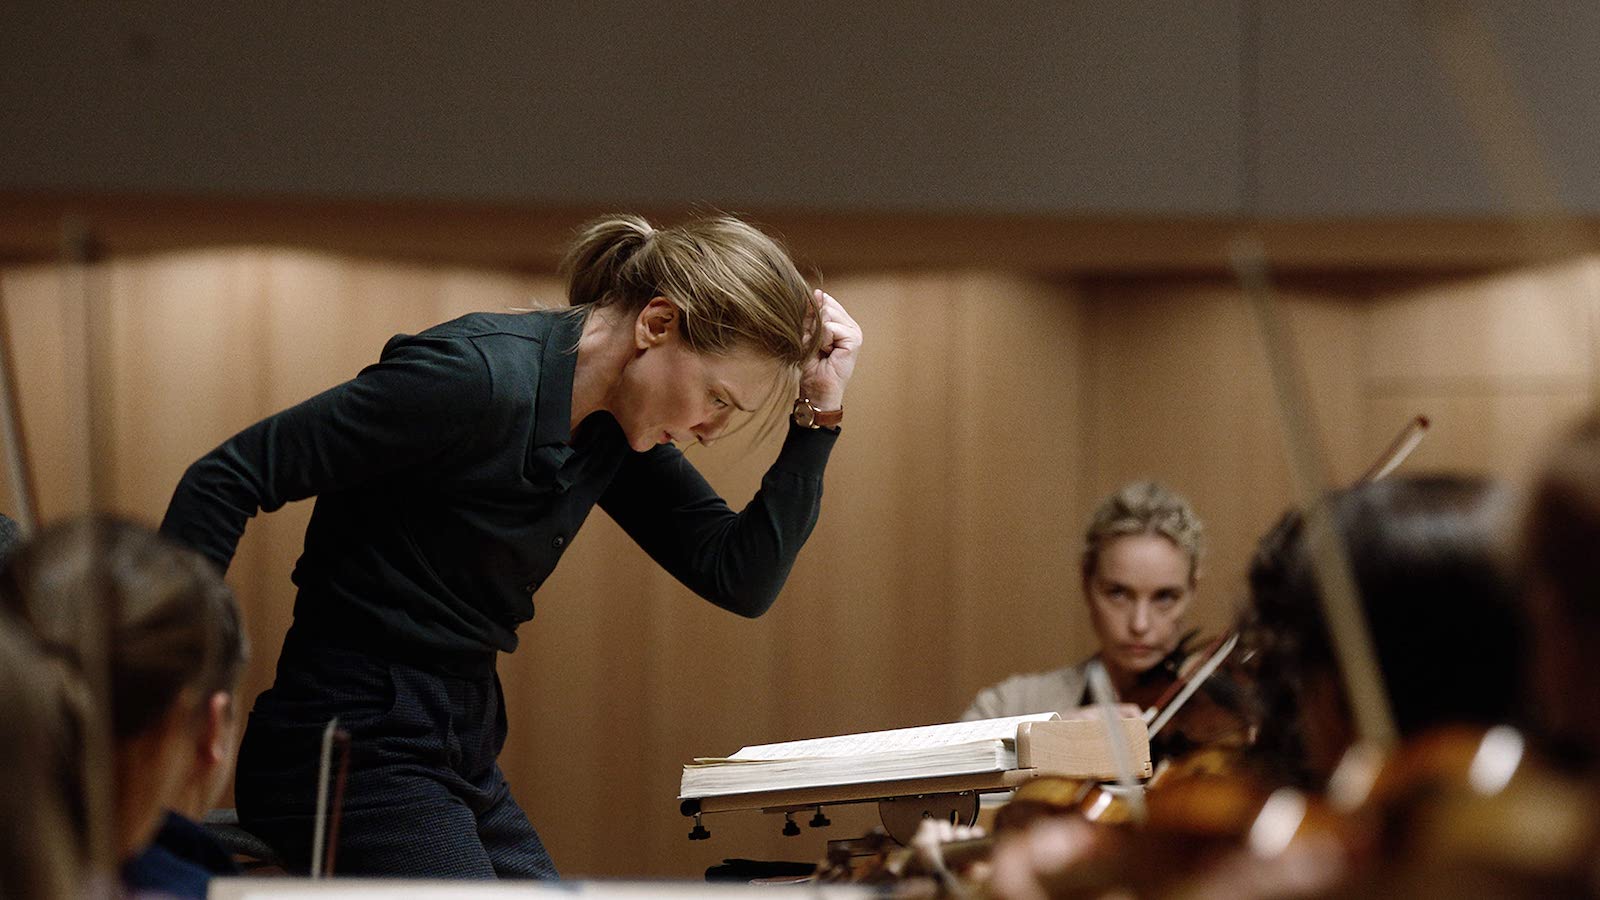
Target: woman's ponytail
598, 261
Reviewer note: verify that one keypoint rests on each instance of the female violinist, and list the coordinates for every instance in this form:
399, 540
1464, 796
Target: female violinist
1444, 620
1141, 567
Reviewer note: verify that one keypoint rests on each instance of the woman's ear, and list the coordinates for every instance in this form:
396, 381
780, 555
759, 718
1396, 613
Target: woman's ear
656, 323
216, 729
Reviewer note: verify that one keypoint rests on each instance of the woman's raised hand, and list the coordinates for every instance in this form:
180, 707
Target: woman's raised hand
823, 379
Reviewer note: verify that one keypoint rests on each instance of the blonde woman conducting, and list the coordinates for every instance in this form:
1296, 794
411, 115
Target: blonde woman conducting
1141, 564
451, 475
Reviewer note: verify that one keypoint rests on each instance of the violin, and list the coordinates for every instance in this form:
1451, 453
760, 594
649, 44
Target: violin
1213, 722
1197, 702
1208, 725
1210, 836
1476, 811
1456, 810
1201, 722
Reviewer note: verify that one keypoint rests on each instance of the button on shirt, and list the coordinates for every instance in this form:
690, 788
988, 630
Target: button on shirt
449, 482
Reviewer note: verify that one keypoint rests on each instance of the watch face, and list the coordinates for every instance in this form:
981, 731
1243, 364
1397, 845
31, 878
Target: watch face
804, 414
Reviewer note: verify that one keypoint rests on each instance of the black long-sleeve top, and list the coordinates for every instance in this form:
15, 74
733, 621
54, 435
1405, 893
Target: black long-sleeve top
449, 482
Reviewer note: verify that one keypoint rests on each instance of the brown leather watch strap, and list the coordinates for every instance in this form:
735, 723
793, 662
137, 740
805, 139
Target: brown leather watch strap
808, 416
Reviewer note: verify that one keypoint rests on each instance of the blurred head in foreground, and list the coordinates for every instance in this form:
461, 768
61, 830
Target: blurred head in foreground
1560, 560
152, 628
1439, 605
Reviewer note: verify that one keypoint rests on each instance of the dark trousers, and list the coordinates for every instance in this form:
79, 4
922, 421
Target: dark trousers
424, 795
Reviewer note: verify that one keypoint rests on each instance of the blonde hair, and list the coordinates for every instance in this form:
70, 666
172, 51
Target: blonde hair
732, 284
1144, 507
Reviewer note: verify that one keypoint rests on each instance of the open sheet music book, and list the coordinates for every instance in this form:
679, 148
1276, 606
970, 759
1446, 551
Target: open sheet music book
926, 751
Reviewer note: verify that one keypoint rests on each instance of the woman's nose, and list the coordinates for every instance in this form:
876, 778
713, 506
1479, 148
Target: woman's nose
1140, 622
712, 426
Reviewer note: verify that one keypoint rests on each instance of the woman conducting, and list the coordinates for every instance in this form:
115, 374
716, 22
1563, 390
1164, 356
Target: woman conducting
451, 475
1141, 563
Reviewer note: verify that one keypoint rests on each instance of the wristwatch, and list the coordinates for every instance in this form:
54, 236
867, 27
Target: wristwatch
808, 416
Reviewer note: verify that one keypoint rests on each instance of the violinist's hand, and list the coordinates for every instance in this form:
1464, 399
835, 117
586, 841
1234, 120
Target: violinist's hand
1125, 710
933, 834
823, 379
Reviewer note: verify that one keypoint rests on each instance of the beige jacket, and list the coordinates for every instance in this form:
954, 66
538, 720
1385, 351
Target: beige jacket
1058, 691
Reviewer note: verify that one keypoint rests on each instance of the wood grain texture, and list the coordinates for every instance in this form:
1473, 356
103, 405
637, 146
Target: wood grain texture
532, 237
1078, 748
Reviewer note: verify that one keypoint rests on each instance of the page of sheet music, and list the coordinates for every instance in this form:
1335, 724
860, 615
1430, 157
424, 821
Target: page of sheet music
897, 739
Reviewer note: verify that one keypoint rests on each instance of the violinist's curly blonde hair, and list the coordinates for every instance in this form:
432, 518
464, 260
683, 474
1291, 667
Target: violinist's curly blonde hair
1144, 507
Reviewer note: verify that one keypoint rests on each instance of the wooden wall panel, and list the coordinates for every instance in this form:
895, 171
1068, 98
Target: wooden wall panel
48, 343
1500, 363
188, 364
1019, 355
1530, 326
1497, 433
853, 622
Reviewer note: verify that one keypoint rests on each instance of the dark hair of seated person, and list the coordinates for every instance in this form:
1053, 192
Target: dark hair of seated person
10, 537
1559, 554
1440, 606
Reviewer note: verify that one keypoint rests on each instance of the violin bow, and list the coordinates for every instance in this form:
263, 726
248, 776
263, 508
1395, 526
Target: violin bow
1330, 563
1182, 680
1215, 654
1466, 50
325, 831
1105, 697
23, 492
87, 278
1159, 720
1341, 608
1399, 449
